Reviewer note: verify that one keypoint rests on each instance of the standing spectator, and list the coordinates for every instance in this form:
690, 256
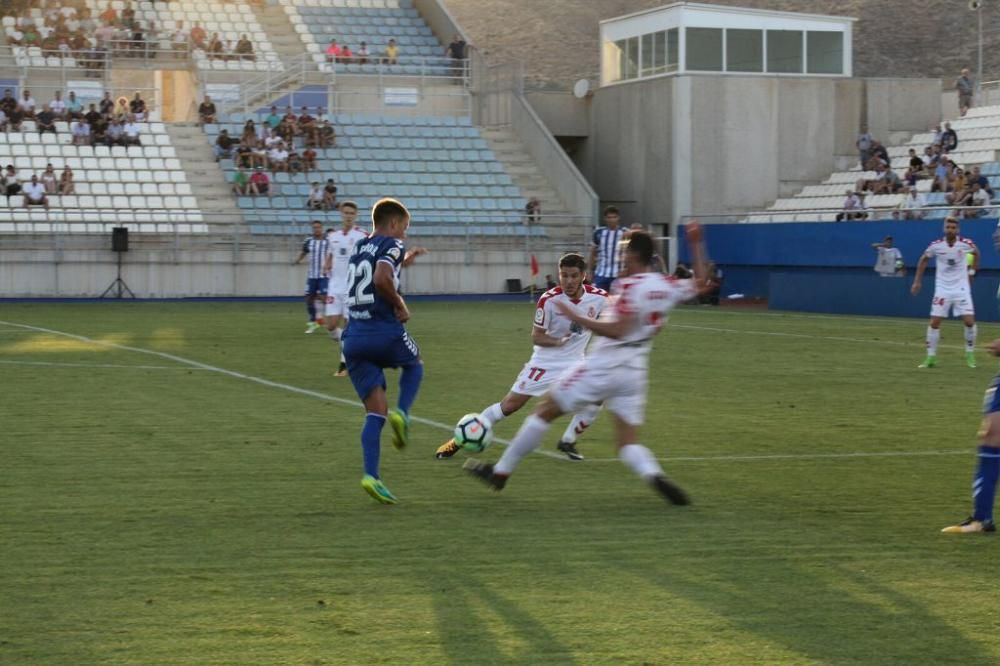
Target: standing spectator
362, 54
317, 198
330, 194
34, 194
391, 53
864, 145
965, 88
241, 183
74, 110
46, 121
206, 111
890, 259
949, 139
456, 51
50, 180
27, 105
533, 211
131, 132
332, 51
66, 184
58, 107
604, 255
224, 146
911, 207
138, 107
260, 183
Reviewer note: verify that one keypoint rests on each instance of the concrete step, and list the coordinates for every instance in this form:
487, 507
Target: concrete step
279, 30
207, 180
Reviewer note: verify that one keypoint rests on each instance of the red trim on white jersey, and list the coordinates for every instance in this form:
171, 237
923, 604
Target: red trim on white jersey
591, 289
554, 291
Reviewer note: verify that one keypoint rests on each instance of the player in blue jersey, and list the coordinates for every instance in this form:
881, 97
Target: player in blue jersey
375, 339
984, 484
317, 279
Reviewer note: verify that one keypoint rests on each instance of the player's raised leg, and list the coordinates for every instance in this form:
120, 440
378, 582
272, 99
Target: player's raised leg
641, 460
495, 413
581, 421
409, 384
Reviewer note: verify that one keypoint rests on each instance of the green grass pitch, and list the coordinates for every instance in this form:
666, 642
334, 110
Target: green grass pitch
157, 512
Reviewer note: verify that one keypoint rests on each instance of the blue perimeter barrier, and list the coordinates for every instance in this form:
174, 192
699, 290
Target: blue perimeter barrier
828, 267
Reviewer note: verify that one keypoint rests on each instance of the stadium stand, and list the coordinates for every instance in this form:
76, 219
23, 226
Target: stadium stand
979, 141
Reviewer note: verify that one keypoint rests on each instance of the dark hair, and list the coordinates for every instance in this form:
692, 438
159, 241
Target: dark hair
573, 260
641, 244
319, 222
385, 209
349, 204
611, 210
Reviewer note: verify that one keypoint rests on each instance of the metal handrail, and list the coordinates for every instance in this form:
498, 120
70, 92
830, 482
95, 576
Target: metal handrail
871, 213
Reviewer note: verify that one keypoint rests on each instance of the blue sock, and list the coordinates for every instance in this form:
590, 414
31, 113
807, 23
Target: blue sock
371, 436
984, 486
311, 307
409, 384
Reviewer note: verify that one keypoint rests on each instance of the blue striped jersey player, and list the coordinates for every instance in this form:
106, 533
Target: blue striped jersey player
317, 278
375, 338
605, 257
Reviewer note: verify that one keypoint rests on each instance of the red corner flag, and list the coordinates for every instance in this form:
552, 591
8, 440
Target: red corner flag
534, 266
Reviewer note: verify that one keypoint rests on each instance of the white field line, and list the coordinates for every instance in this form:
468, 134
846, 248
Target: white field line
50, 364
808, 336
806, 456
240, 375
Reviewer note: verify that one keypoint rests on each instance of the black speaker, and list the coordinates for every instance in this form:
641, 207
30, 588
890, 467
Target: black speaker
119, 239
514, 286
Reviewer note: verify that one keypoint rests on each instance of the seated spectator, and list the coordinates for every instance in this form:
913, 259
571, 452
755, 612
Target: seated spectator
128, 15
224, 146
244, 49
290, 118
115, 134
81, 133
107, 105
273, 119
259, 153
327, 135
46, 121
92, 115
285, 131
294, 161
131, 131
977, 177
8, 103
317, 198
879, 157
260, 183
215, 49
391, 53
57, 106
179, 40
346, 56
853, 205
27, 105
958, 185
949, 139
533, 211
909, 208
241, 183
50, 180
34, 193
979, 199
198, 36
330, 194
332, 51
66, 184
138, 107
3, 121
11, 181
244, 156
74, 110
362, 54
109, 15
249, 132
308, 160
206, 111
713, 285
888, 182
277, 158
99, 131
942, 176
121, 108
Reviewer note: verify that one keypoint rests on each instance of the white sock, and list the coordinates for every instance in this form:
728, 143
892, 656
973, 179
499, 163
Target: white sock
580, 422
335, 334
970, 338
342, 359
933, 336
493, 414
640, 460
527, 439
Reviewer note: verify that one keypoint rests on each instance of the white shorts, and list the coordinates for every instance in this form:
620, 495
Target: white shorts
621, 389
536, 379
336, 304
959, 303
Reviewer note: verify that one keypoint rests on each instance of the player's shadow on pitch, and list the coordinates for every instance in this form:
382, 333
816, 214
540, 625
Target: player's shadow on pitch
466, 635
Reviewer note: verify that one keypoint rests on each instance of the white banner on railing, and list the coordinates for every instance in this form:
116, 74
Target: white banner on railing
401, 96
223, 92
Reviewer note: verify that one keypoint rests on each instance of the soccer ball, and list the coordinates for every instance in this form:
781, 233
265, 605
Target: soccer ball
473, 433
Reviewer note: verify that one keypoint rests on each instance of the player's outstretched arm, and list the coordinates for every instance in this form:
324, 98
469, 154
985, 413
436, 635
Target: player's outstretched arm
694, 235
385, 286
412, 255
921, 267
616, 329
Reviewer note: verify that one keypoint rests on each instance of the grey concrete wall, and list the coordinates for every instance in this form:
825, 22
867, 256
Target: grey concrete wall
439, 19
896, 108
562, 112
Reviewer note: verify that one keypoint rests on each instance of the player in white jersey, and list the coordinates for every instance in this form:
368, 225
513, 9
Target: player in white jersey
340, 246
317, 278
952, 294
559, 344
615, 370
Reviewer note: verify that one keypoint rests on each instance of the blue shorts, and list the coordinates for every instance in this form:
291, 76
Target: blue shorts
317, 286
603, 282
368, 354
991, 402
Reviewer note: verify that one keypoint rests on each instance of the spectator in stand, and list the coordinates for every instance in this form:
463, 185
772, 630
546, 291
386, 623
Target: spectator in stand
332, 51
180, 37
128, 15
11, 181
980, 198
888, 182
107, 105
327, 135
260, 184
456, 51
916, 169
307, 127
317, 198
215, 50
294, 161
15, 118
533, 211
92, 115
138, 107
249, 132
244, 49
909, 207
131, 132
391, 53
852, 204
115, 135
34, 193
80, 132
864, 145
50, 179
27, 105
74, 110
99, 131
258, 155
958, 186
362, 54
109, 15
291, 119
285, 131
66, 184
198, 36
330, 194
277, 157
273, 119
949, 139
58, 107
308, 160
977, 177
965, 88
206, 111
241, 183
879, 155
346, 56
3, 121
8, 103
224, 146
713, 285
46, 121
